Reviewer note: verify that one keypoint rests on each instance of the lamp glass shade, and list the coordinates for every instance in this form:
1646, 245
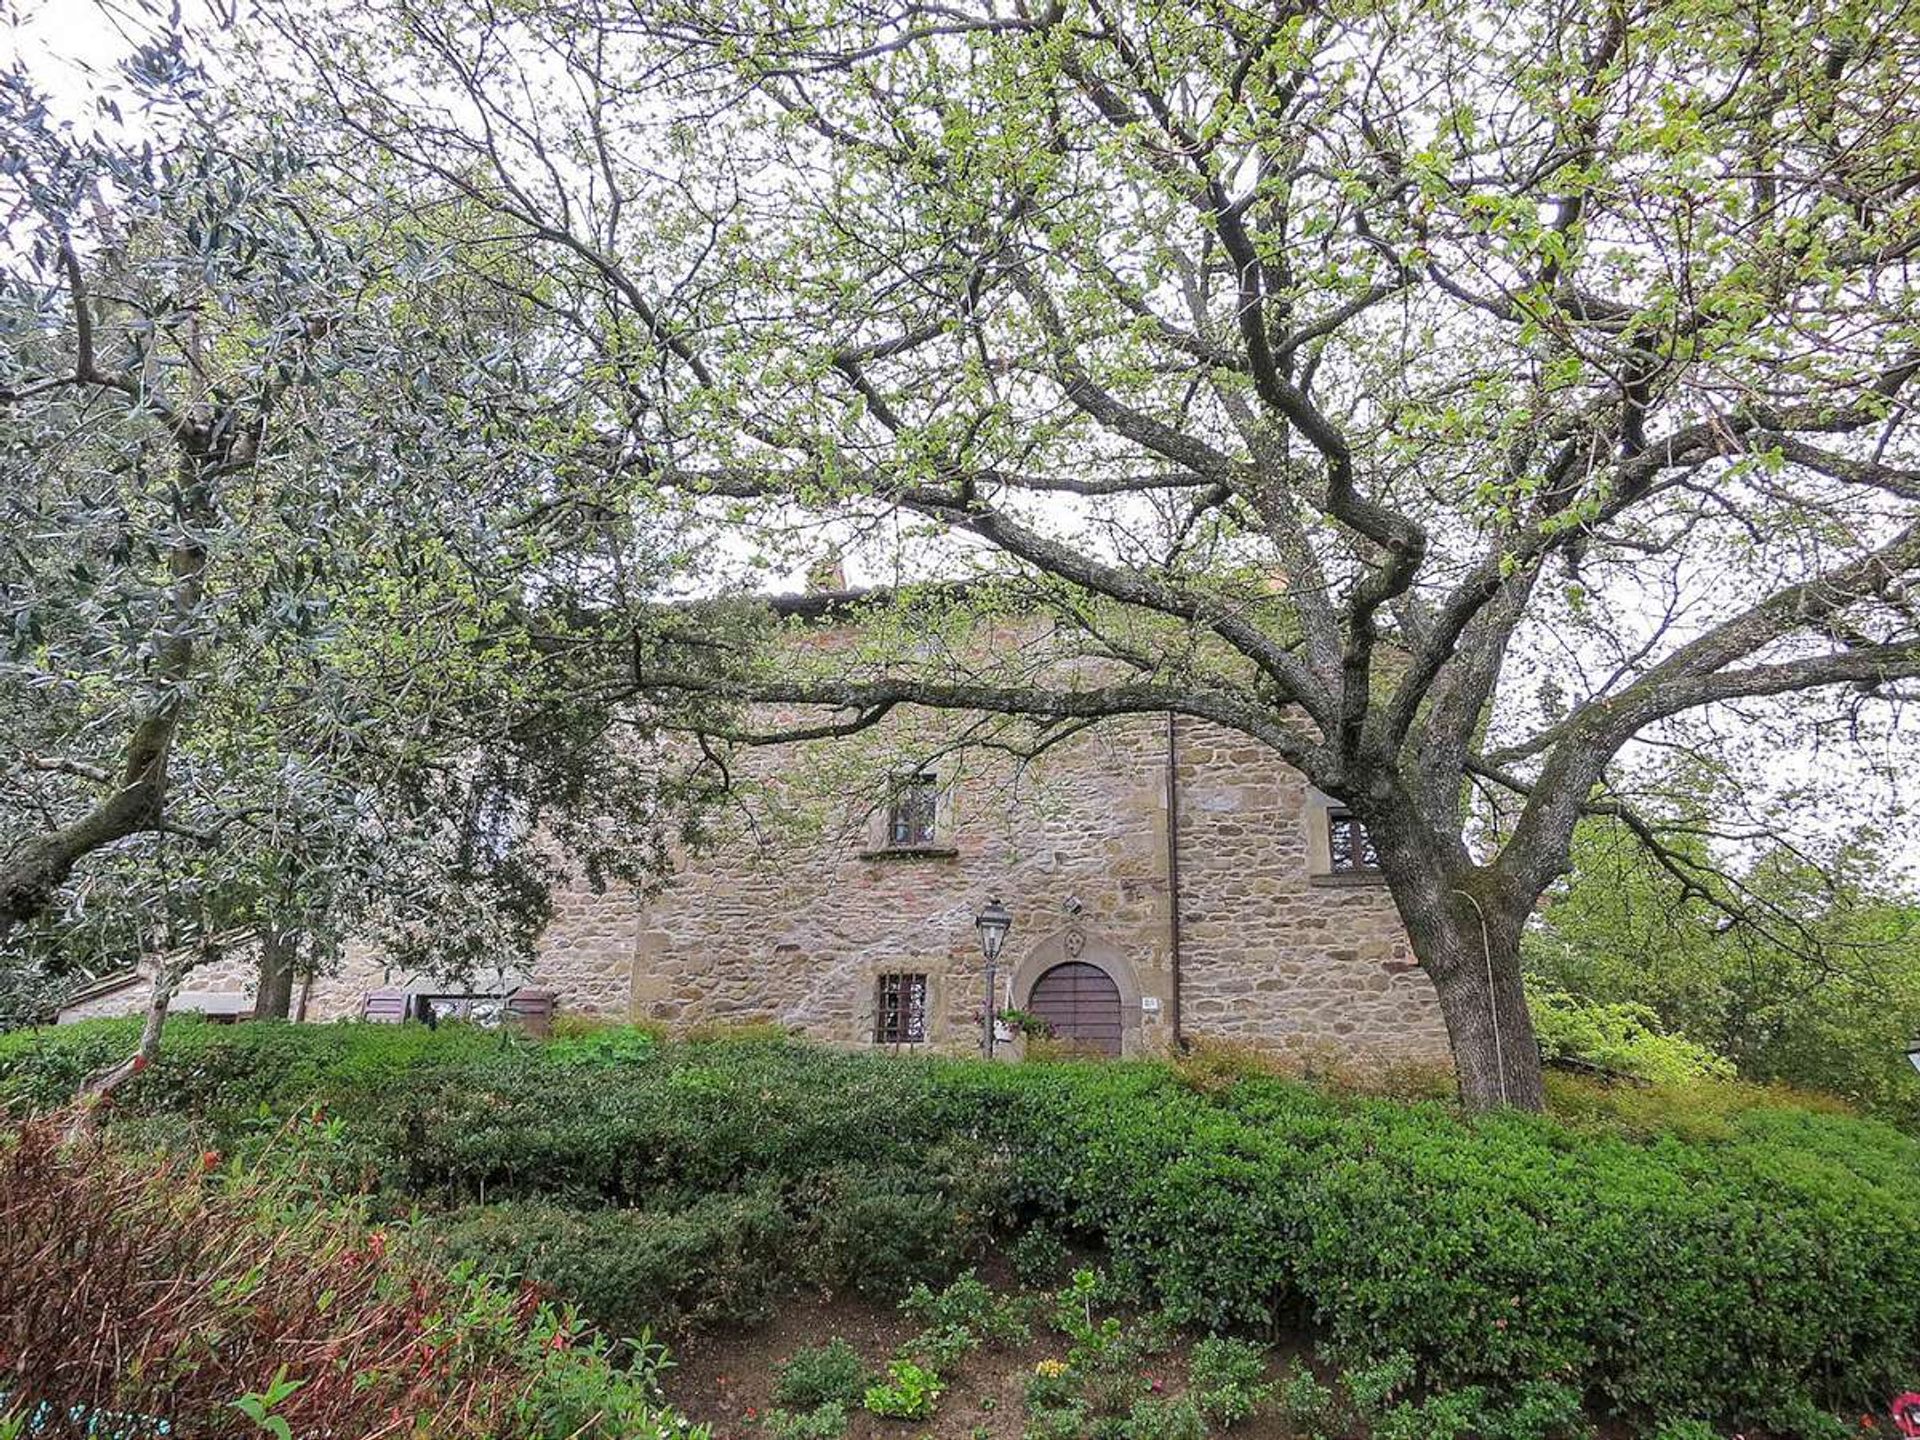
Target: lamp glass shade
1913, 1051
993, 924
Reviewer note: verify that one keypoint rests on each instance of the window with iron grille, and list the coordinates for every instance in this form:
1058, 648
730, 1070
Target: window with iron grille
1349, 848
911, 815
900, 1010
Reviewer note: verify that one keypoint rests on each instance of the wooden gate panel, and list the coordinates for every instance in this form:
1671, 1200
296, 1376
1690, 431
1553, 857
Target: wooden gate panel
1081, 1003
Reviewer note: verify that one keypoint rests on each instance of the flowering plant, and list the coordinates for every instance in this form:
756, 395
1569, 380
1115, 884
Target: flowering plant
1905, 1411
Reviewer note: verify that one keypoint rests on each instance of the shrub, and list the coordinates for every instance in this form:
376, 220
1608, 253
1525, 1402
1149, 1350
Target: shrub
1686, 1430
881, 1229
908, 1392
1310, 1405
716, 1259
1740, 1277
130, 1287
229, 1072
1228, 1379
822, 1422
828, 1374
1177, 1418
599, 1043
1676, 1253
1037, 1255
970, 1305
1623, 1038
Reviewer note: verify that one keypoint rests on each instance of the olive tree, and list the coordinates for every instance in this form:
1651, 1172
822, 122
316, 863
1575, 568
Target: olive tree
287, 561
1449, 396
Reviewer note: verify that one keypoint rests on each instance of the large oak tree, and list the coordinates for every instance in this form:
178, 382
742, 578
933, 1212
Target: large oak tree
1445, 395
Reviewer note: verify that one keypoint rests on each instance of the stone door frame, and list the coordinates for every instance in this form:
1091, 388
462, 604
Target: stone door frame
1076, 943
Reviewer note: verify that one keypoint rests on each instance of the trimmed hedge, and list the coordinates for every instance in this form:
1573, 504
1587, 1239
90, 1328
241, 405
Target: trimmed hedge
1744, 1278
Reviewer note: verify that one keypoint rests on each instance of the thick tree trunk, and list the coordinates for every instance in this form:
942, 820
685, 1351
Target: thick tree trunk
1485, 1007
37, 870
1465, 932
273, 995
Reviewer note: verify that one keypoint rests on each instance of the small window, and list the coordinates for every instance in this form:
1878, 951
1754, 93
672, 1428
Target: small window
900, 1010
1349, 848
910, 816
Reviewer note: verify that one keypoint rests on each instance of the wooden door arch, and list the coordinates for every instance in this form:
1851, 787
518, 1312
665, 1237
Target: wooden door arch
1081, 1003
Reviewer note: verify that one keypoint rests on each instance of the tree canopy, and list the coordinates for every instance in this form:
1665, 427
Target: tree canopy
1446, 395
1456, 399
285, 582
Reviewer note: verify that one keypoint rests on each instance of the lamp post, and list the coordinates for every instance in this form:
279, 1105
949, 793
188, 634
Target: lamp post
1913, 1052
993, 924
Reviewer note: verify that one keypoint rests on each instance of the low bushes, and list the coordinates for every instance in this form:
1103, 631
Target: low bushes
238, 1069
1622, 1039
1743, 1273
723, 1257
632, 1270
137, 1299
1742, 1280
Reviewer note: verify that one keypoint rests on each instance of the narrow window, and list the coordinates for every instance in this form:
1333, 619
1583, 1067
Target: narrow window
900, 1010
910, 816
1349, 848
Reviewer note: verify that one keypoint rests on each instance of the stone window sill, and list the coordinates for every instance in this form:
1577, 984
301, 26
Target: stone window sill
912, 852
1340, 879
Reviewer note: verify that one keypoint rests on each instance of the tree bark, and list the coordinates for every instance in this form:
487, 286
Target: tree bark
98, 1087
34, 874
37, 870
1464, 922
279, 955
1484, 1002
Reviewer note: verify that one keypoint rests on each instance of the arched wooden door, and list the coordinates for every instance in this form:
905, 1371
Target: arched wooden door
1082, 1004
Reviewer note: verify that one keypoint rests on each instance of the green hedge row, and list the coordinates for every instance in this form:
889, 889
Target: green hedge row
1742, 1280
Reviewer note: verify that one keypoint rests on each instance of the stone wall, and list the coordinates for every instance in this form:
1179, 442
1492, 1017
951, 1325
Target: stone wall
794, 923
216, 985
800, 930
800, 909
1275, 949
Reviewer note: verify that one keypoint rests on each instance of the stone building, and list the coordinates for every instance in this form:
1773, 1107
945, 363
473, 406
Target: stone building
1166, 880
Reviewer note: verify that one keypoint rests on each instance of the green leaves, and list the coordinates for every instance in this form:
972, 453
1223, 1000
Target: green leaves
354, 582
259, 1407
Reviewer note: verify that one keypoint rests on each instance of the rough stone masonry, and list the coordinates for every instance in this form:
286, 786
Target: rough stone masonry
814, 913
796, 918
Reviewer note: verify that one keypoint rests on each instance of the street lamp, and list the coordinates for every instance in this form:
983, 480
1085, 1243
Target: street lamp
1913, 1051
993, 924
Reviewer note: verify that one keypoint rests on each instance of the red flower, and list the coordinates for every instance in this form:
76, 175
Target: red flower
140, 1062
560, 1341
209, 1159
1905, 1411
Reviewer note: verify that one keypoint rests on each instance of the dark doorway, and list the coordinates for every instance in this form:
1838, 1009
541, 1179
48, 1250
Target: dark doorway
1082, 1005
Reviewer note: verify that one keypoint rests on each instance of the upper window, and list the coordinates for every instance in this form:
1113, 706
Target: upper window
900, 1010
910, 816
1349, 848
